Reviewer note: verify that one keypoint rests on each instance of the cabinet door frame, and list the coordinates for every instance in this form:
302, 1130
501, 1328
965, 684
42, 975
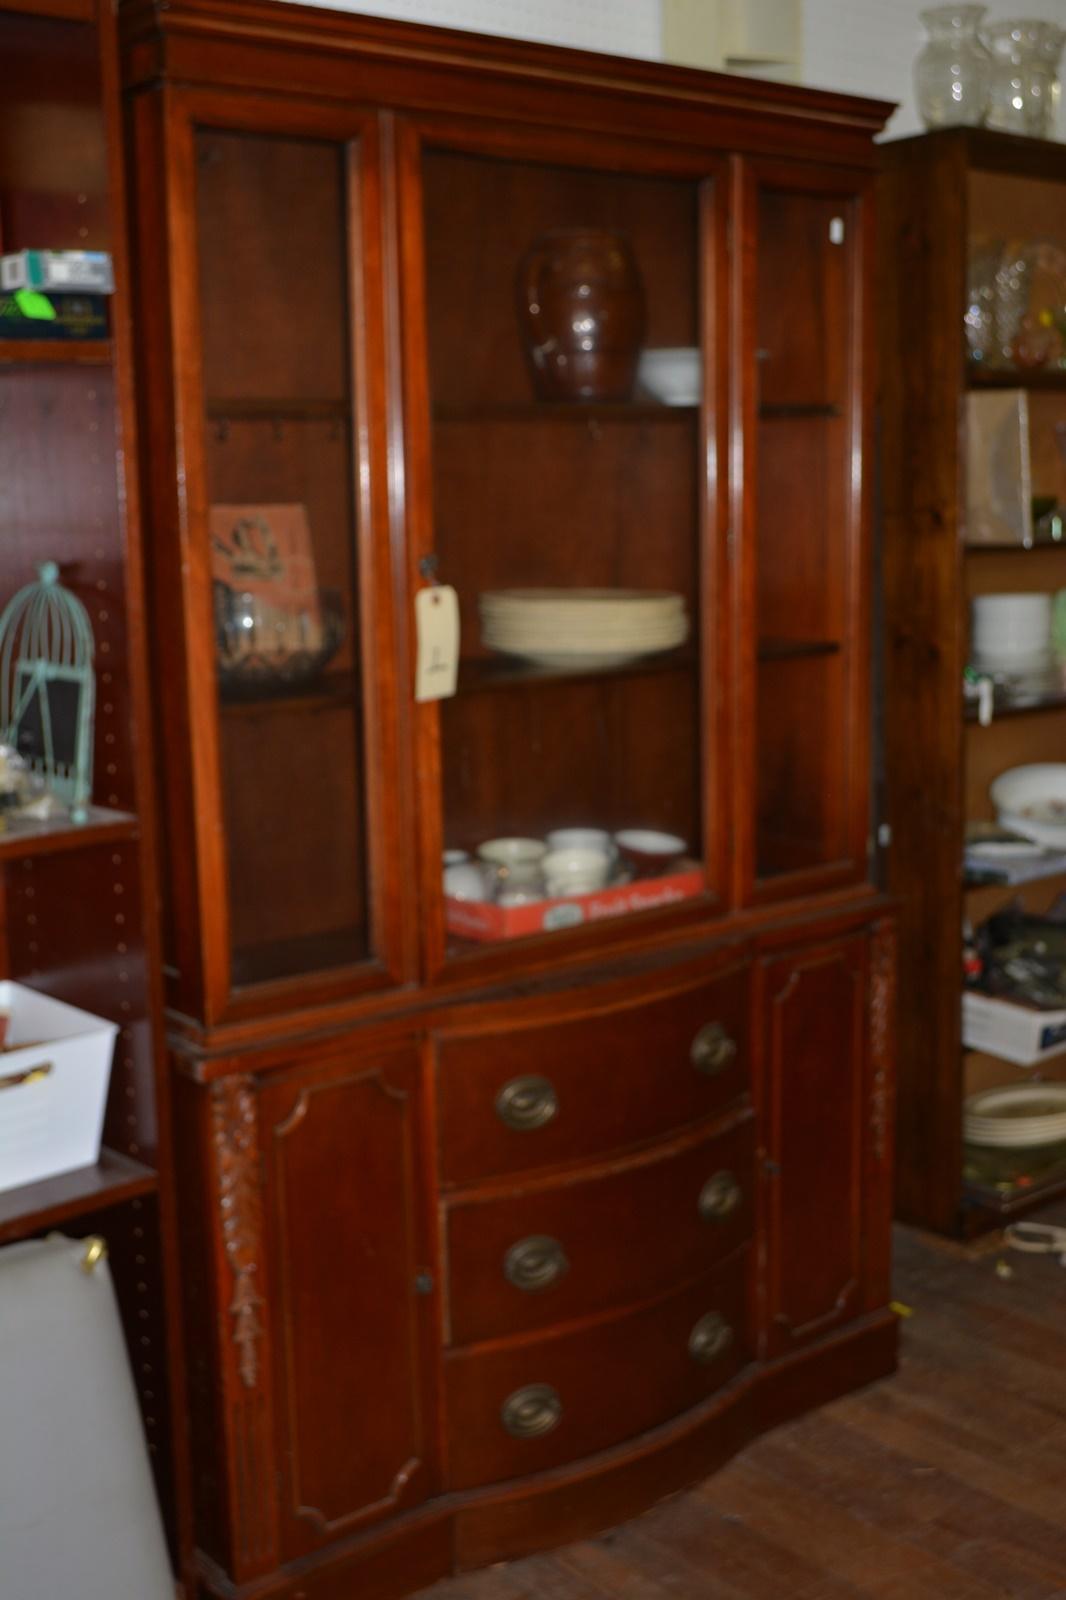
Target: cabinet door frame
709, 170
856, 187
165, 125
778, 1332
399, 1073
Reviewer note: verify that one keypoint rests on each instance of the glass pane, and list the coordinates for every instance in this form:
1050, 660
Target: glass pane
565, 385
802, 474
281, 524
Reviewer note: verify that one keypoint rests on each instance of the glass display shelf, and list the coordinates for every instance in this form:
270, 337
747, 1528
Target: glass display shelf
240, 408
1040, 378
787, 411
797, 649
338, 690
567, 411
34, 1206
32, 838
502, 672
55, 352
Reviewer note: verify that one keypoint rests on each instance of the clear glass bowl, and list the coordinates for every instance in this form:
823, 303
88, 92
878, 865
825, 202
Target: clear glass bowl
265, 649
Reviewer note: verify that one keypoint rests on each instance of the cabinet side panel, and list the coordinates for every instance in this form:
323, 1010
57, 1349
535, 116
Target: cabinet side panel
922, 226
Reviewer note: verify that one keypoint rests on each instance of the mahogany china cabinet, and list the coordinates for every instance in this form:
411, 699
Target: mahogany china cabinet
501, 1222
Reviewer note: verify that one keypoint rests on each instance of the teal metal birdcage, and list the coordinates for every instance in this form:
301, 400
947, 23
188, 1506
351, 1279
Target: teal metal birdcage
47, 687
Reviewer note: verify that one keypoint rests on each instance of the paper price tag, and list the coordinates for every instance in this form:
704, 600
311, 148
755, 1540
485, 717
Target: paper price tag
437, 631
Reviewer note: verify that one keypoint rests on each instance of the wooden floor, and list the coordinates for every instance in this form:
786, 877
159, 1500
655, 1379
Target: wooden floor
947, 1482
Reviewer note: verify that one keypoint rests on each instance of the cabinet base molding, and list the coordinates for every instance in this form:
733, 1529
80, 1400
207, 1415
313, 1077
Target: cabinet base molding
458, 1532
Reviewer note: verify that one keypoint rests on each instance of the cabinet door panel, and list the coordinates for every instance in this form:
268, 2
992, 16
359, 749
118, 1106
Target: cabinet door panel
812, 1094
341, 1151
806, 508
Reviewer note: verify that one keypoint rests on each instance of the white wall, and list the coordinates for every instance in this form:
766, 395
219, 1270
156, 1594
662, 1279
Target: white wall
624, 27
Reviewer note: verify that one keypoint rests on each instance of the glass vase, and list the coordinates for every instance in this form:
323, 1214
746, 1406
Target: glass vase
953, 73
1025, 76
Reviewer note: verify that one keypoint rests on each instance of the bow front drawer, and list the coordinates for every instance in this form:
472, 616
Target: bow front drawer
562, 1080
529, 1405
559, 1249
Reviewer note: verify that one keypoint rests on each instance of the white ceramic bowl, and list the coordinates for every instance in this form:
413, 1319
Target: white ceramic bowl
465, 880
1032, 801
647, 850
519, 859
582, 839
577, 870
672, 374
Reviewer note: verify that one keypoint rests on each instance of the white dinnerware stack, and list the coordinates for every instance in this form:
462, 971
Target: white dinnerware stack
1017, 1116
1011, 634
582, 628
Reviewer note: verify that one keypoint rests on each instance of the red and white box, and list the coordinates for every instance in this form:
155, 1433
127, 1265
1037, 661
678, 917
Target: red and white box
482, 920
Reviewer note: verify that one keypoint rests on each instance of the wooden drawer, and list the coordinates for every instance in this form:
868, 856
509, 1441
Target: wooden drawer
562, 1249
571, 1079
524, 1407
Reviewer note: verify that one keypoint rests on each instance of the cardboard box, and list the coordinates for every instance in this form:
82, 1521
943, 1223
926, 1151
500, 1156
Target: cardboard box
64, 271
1018, 1033
54, 1073
484, 921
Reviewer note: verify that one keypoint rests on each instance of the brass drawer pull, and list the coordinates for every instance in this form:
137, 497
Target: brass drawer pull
719, 1197
713, 1049
710, 1338
535, 1263
531, 1412
526, 1103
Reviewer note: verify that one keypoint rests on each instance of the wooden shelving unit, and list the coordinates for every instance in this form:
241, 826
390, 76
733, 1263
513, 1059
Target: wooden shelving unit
86, 1191
78, 901
945, 195
21, 840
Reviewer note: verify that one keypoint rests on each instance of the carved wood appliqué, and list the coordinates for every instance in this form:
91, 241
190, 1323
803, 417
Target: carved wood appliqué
882, 1004
237, 1162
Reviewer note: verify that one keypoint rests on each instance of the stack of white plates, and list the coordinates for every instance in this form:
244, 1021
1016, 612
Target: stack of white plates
1019, 1117
582, 627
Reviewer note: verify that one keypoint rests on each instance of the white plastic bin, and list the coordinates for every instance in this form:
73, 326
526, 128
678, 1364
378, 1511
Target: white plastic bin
53, 1086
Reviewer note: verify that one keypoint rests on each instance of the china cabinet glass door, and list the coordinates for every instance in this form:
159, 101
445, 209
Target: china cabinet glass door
804, 433
569, 482
274, 264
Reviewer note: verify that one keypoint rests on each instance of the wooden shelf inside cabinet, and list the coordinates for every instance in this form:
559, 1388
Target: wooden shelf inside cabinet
569, 411
796, 649
55, 352
1037, 379
338, 690
50, 838
112, 1181
771, 412
237, 408
477, 675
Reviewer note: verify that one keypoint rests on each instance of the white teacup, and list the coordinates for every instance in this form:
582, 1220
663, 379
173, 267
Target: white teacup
516, 861
582, 839
465, 880
578, 870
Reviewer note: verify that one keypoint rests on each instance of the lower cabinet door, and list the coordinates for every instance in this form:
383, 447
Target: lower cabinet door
353, 1327
812, 1093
